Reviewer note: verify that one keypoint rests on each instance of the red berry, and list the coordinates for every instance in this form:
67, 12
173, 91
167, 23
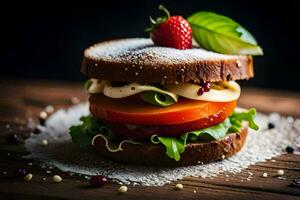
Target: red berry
171, 31
200, 91
206, 86
98, 181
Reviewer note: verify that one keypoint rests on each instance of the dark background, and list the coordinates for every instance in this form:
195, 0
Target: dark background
47, 39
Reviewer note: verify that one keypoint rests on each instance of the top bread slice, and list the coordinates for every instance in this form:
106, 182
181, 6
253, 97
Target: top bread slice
138, 60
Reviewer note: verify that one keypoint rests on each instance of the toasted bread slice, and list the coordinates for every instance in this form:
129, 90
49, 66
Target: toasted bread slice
138, 60
154, 154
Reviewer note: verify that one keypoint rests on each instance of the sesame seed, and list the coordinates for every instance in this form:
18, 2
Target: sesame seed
223, 157
122, 189
49, 109
265, 175
178, 186
195, 191
136, 73
280, 172
30, 164
126, 68
43, 115
57, 179
75, 100
44, 179
45, 142
28, 177
48, 172
7, 126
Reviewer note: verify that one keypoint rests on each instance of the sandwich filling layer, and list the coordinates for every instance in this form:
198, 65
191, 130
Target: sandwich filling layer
169, 115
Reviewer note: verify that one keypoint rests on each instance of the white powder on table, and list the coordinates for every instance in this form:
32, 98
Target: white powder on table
63, 154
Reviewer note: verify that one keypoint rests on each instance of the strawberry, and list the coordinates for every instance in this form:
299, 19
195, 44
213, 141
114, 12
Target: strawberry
171, 31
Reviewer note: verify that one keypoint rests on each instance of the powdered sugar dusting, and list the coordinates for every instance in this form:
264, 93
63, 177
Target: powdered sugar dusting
62, 153
142, 51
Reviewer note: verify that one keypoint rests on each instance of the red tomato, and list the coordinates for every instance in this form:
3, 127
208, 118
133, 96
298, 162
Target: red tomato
133, 118
135, 111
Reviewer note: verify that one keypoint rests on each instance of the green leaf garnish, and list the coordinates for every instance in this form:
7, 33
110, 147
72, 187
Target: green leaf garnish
156, 98
83, 134
221, 34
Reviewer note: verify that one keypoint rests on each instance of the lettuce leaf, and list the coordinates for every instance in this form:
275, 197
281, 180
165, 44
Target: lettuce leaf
176, 146
83, 134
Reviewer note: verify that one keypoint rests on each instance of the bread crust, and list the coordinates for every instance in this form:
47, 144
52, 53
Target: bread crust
154, 154
146, 63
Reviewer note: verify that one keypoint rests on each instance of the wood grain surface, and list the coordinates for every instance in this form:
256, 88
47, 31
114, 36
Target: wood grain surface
20, 99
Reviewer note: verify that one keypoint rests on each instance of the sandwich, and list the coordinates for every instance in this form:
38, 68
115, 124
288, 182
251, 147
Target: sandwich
164, 100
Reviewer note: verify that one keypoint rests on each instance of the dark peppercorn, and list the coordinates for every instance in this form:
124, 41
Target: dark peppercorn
12, 139
98, 181
289, 149
296, 183
21, 172
271, 125
36, 131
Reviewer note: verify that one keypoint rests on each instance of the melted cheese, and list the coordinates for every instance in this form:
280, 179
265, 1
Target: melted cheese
219, 92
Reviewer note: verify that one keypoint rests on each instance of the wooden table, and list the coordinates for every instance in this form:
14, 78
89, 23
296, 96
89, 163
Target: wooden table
20, 99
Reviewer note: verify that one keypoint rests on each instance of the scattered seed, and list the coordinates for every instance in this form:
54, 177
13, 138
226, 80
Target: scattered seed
12, 139
21, 172
273, 160
265, 175
75, 100
122, 189
30, 163
271, 125
57, 179
289, 149
195, 191
48, 172
4, 172
280, 172
296, 183
43, 115
7, 126
28, 177
45, 142
49, 109
223, 157
44, 179
178, 186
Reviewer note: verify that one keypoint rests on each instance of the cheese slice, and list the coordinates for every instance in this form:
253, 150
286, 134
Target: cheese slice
219, 92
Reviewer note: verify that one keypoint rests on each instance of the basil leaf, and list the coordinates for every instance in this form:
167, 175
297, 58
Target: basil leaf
83, 134
156, 98
221, 34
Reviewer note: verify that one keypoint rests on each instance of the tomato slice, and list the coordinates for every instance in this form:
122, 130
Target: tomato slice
135, 111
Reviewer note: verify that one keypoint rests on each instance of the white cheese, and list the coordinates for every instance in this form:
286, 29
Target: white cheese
219, 92
131, 89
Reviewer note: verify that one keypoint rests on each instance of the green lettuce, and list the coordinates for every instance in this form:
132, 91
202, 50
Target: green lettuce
176, 146
83, 134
